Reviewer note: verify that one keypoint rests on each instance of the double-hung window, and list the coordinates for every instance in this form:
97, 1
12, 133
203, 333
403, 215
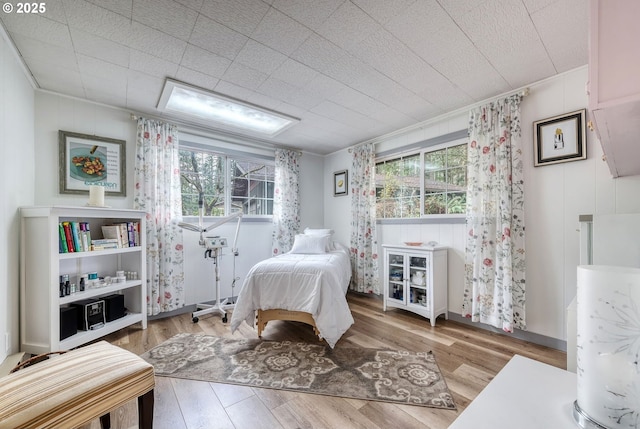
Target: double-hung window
429, 181
228, 183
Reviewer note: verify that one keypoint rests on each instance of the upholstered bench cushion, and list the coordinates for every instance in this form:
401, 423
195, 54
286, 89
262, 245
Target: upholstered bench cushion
74, 388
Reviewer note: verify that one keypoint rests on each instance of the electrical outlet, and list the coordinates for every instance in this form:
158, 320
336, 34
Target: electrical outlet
7, 342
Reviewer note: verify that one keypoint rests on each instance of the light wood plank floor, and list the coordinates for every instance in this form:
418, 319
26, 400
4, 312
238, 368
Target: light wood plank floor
468, 357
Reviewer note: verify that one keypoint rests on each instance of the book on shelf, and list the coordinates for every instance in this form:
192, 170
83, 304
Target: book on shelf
69, 239
126, 233
63, 239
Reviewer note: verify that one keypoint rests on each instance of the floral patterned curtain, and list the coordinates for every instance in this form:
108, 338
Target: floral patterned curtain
157, 192
364, 243
286, 205
495, 267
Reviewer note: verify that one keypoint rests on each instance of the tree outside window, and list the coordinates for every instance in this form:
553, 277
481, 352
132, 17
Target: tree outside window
248, 186
443, 190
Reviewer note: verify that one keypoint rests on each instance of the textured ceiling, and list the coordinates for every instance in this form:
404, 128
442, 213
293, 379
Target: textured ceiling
350, 70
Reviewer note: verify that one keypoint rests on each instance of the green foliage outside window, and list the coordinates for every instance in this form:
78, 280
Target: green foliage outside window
399, 188
248, 186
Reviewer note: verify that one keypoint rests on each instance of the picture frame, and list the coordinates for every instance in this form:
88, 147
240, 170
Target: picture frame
340, 183
85, 160
562, 138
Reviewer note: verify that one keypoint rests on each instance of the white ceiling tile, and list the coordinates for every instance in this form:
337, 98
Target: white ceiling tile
154, 42
348, 26
276, 88
196, 78
55, 55
54, 10
535, 5
39, 28
121, 7
232, 90
244, 76
325, 57
324, 86
192, 4
344, 115
388, 55
99, 47
143, 90
98, 21
204, 61
311, 13
216, 38
151, 65
166, 16
457, 8
499, 28
383, 10
280, 32
566, 44
420, 23
260, 57
103, 90
98, 69
241, 15
302, 99
65, 79
294, 73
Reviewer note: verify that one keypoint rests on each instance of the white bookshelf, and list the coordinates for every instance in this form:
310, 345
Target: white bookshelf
41, 265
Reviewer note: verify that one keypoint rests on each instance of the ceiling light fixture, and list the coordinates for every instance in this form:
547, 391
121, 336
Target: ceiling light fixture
219, 111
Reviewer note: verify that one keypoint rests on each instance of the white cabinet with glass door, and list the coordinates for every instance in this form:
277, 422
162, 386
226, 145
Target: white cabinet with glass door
415, 279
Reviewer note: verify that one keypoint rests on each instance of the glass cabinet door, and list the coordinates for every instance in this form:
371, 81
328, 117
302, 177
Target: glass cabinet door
396, 276
418, 295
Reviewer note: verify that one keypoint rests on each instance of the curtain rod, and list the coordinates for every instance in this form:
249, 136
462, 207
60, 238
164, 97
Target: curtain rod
523, 92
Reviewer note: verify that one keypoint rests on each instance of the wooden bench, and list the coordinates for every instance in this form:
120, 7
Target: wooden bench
70, 390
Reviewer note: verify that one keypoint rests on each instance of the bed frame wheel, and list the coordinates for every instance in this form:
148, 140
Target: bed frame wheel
224, 319
195, 319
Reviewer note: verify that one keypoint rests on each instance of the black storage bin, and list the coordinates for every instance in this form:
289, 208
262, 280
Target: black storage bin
68, 322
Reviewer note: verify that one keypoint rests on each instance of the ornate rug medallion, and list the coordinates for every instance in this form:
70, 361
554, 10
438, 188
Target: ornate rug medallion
369, 374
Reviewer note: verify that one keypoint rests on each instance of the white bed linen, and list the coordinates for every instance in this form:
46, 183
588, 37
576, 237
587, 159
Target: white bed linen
313, 283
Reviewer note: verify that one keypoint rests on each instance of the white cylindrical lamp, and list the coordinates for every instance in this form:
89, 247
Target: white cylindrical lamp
608, 355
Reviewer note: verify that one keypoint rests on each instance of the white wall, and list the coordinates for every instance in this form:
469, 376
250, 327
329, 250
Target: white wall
554, 197
55, 112
17, 171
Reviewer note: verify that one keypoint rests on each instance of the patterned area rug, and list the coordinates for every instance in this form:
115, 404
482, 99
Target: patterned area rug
369, 374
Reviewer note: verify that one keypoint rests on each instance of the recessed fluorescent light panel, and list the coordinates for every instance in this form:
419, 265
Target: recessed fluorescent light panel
219, 111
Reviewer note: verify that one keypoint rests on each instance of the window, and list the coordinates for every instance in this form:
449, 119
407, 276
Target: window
227, 183
431, 181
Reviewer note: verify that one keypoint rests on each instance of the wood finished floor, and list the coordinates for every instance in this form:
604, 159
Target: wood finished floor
468, 358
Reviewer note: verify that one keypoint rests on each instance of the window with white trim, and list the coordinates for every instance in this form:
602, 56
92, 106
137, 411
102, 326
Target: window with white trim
431, 181
228, 183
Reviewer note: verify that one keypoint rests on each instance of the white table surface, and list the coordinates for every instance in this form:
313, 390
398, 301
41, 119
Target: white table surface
525, 394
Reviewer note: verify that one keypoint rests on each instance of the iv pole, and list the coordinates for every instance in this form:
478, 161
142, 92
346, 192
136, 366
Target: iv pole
213, 250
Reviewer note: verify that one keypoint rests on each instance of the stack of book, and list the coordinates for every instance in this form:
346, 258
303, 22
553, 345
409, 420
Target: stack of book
125, 234
74, 237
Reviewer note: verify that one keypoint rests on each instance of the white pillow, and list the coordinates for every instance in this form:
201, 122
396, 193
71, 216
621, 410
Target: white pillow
321, 231
324, 232
305, 244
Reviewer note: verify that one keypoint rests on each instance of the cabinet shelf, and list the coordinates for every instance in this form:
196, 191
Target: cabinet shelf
429, 299
43, 312
92, 293
83, 337
95, 253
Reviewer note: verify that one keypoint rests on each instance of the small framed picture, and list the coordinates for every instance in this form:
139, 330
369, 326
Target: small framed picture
340, 183
562, 138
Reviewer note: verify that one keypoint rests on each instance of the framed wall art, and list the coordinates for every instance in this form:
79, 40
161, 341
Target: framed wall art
560, 139
86, 160
340, 183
